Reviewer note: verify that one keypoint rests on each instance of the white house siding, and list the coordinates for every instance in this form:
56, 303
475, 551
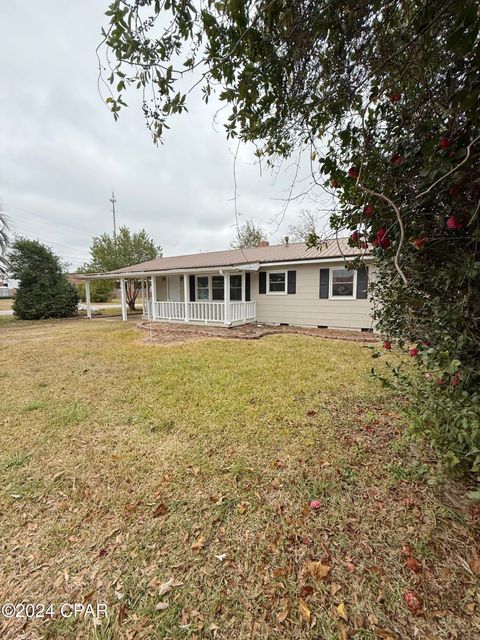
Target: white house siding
305, 308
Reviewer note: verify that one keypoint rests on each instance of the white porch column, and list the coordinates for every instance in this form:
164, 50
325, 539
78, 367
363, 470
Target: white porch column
226, 298
244, 306
143, 296
123, 298
186, 295
154, 297
87, 299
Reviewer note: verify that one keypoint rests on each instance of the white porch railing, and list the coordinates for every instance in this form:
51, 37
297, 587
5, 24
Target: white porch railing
208, 312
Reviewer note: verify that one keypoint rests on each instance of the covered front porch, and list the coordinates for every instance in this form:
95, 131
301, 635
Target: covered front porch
220, 297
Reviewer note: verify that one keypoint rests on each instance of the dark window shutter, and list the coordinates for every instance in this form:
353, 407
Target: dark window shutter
292, 282
247, 287
192, 288
324, 282
262, 282
362, 283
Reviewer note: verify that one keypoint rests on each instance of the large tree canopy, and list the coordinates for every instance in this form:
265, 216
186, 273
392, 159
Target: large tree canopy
109, 253
248, 235
383, 95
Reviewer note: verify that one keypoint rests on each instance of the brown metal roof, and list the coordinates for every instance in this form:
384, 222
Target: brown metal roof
292, 252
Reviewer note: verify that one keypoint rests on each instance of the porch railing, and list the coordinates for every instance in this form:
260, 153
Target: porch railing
208, 312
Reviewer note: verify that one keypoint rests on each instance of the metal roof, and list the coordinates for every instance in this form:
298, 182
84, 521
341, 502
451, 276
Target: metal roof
296, 251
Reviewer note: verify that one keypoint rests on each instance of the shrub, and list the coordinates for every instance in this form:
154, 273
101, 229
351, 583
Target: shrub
100, 290
44, 291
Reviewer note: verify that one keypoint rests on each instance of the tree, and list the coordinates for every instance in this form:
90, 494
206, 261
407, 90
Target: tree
248, 235
109, 253
44, 291
305, 229
383, 96
100, 290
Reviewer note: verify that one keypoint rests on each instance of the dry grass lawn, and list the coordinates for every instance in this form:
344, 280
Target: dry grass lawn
174, 483
5, 304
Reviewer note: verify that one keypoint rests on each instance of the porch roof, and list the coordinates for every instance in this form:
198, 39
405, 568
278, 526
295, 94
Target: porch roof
248, 259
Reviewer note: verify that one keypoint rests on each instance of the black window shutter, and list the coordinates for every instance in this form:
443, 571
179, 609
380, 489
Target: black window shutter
192, 288
362, 283
247, 287
292, 282
262, 282
324, 282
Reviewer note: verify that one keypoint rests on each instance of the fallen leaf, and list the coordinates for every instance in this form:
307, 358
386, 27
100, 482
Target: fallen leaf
413, 564
335, 588
383, 634
199, 544
315, 504
350, 567
168, 586
303, 610
342, 611
283, 611
221, 557
160, 510
318, 570
474, 566
413, 600
161, 606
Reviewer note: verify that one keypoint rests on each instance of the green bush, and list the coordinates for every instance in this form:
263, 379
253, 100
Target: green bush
44, 291
100, 290
443, 405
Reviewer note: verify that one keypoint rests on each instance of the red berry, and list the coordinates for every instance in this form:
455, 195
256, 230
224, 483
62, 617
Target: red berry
315, 504
353, 172
453, 223
387, 345
368, 210
334, 184
420, 243
381, 239
355, 237
413, 352
364, 245
394, 97
444, 142
396, 159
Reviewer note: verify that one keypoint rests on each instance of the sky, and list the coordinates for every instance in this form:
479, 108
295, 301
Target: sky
62, 153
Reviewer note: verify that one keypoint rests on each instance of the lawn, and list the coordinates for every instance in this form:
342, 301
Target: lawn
174, 484
5, 304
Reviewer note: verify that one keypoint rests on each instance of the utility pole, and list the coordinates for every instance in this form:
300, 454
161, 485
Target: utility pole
113, 201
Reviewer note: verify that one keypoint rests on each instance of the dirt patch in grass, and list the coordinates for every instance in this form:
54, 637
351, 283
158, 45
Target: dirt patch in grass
175, 486
173, 333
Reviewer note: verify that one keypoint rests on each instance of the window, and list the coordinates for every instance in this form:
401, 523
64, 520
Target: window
203, 290
235, 287
218, 288
343, 283
277, 282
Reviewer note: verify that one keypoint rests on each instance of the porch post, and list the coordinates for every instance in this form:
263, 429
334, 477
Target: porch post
186, 295
123, 298
143, 297
87, 299
244, 306
154, 297
226, 298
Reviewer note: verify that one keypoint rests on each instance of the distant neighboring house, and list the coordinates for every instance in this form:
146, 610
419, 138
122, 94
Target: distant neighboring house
8, 288
284, 284
74, 278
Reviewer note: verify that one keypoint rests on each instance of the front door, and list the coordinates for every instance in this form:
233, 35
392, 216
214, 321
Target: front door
174, 288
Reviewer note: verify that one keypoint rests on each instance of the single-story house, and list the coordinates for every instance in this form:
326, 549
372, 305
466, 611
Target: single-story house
289, 284
8, 288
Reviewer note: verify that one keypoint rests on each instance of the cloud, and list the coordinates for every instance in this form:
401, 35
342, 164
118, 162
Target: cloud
62, 153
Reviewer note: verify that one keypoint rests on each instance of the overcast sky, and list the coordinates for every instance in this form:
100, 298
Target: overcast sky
62, 154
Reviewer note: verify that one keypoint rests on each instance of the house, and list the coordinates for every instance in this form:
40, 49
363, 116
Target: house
283, 284
8, 288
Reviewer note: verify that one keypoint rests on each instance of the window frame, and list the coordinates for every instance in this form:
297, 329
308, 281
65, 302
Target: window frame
238, 275
277, 293
209, 289
212, 299
330, 285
